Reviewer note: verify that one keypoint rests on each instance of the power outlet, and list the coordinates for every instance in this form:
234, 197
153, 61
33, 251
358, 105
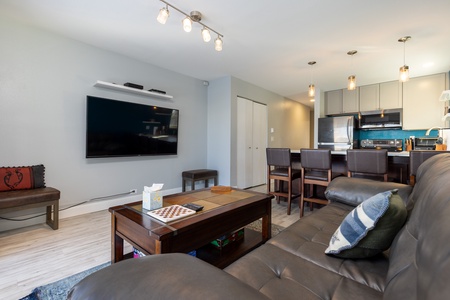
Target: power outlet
133, 191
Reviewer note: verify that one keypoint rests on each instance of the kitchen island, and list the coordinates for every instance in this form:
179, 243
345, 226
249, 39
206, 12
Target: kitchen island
398, 164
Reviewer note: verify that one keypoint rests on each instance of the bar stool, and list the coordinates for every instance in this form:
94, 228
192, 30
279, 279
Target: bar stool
416, 158
279, 168
197, 175
316, 170
367, 163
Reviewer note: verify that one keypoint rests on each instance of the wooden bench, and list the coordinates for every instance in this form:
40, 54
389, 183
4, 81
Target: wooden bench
24, 199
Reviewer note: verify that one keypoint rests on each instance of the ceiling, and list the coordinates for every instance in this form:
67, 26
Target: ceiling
267, 43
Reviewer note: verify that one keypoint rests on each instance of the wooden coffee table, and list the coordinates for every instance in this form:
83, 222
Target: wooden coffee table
222, 213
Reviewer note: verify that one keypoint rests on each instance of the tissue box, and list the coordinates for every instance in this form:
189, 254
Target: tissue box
152, 197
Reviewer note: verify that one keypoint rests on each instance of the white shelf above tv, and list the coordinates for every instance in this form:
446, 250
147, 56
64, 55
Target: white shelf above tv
122, 88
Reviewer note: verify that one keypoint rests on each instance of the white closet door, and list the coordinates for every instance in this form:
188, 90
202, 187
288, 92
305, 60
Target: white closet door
259, 143
244, 142
251, 143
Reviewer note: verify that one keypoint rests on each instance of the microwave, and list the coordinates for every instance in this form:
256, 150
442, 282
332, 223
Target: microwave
380, 119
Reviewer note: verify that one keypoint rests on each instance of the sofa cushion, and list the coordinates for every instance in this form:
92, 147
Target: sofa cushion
370, 228
163, 277
282, 275
22, 178
308, 238
353, 191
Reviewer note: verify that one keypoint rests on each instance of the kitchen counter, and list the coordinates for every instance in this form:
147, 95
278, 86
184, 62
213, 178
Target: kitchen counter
344, 152
398, 163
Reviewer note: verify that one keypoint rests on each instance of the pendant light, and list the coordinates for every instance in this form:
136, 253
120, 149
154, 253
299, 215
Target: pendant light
351, 85
311, 87
404, 70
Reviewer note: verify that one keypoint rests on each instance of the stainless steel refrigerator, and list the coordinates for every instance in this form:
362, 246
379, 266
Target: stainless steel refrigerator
337, 133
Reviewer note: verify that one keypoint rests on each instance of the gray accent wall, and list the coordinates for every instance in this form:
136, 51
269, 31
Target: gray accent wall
44, 81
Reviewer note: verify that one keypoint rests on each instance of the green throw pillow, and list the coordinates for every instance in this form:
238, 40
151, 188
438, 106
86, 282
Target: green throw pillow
379, 238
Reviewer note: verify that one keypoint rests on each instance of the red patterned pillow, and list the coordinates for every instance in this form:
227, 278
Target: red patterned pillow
22, 178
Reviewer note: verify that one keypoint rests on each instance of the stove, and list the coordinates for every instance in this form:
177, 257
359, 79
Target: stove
392, 145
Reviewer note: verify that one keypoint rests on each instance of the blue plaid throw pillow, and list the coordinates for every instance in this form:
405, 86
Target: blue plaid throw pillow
359, 222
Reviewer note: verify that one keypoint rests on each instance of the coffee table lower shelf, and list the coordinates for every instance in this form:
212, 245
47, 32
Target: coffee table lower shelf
230, 253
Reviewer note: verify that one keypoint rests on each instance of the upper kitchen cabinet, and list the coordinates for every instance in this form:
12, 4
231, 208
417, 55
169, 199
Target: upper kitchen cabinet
391, 95
369, 97
333, 102
421, 106
341, 101
350, 101
387, 95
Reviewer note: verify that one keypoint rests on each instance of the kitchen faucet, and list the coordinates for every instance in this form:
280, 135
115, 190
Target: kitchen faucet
429, 130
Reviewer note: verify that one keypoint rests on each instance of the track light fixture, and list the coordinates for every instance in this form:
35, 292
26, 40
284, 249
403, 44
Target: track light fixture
163, 15
194, 16
404, 70
351, 85
311, 87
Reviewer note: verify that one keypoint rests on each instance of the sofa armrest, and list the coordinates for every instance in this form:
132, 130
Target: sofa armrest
163, 276
353, 191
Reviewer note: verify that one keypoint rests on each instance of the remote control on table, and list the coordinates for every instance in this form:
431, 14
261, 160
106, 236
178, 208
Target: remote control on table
193, 206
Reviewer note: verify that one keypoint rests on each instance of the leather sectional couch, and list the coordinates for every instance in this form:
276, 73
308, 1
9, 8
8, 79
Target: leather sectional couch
293, 265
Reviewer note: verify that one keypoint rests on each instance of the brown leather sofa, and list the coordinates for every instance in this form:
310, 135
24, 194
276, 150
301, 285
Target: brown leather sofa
292, 265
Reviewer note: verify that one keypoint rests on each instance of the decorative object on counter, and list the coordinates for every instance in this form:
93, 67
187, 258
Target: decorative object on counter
311, 88
352, 78
134, 85
194, 16
404, 70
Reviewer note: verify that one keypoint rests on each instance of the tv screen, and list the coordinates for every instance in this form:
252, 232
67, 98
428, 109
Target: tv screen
118, 128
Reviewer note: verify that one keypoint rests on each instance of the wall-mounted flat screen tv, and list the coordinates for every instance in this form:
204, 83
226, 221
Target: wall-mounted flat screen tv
117, 128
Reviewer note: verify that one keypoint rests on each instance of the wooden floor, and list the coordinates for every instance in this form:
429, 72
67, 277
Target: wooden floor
37, 255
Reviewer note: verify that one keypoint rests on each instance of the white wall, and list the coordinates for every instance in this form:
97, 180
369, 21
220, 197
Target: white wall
44, 80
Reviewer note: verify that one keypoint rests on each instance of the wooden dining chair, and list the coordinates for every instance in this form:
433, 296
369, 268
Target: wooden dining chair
279, 169
316, 170
367, 163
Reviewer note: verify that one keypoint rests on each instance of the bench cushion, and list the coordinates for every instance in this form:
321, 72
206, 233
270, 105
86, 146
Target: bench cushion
22, 178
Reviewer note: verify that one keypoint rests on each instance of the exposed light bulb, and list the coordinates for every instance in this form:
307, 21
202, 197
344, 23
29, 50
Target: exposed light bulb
404, 73
187, 24
218, 44
163, 15
351, 83
404, 70
311, 90
206, 35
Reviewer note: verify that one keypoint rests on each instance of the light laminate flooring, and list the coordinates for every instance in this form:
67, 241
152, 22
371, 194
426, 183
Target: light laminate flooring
37, 255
